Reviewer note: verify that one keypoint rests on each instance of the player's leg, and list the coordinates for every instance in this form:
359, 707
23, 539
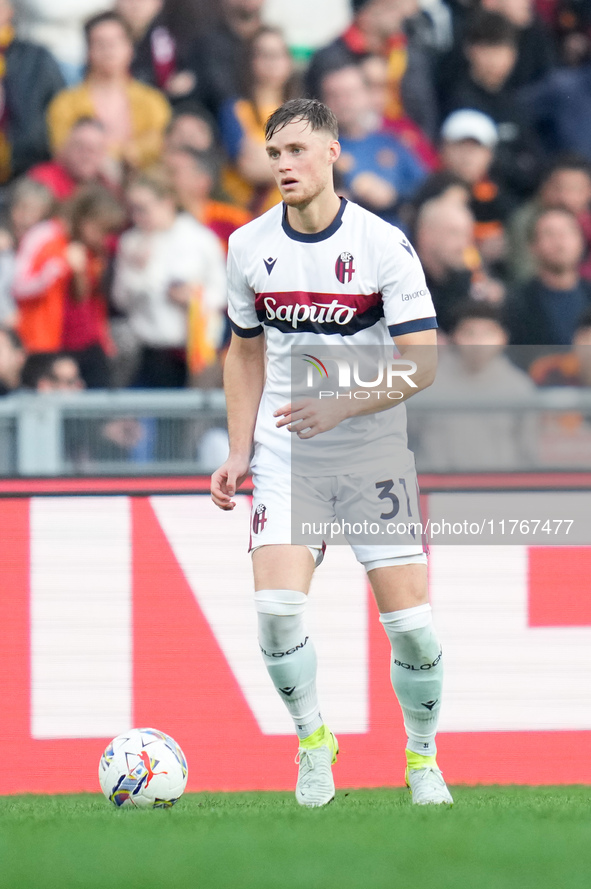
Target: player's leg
282, 576
400, 588
384, 503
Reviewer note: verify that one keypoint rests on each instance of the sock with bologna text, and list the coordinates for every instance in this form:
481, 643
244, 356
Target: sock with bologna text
289, 655
417, 674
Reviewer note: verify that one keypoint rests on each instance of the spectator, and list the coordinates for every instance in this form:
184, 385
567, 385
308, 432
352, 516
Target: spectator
375, 73
94, 216
59, 27
434, 25
268, 82
29, 203
560, 107
571, 23
468, 143
442, 184
94, 440
566, 436
29, 79
134, 115
375, 168
547, 309
191, 127
33, 233
156, 59
535, 48
8, 311
438, 185
82, 160
52, 372
217, 58
378, 28
571, 368
12, 360
38, 286
57, 284
190, 19
490, 47
193, 175
169, 279
473, 368
566, 184
444, 240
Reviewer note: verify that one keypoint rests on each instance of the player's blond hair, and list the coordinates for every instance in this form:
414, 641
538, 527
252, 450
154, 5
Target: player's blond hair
316, 113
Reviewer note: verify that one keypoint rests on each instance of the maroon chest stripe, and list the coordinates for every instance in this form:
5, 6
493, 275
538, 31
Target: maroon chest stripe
296, 311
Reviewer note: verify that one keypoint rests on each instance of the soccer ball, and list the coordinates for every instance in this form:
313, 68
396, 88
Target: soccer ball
143, 768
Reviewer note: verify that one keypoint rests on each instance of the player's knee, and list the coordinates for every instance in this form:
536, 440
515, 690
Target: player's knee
413, 637
280, 618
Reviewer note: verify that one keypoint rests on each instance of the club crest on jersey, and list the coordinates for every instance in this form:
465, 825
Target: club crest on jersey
344, 269
259, 519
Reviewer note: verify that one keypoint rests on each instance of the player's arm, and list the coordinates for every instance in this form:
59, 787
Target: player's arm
244, 378
416, 349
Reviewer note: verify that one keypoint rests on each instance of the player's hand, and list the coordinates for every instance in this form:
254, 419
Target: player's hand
226, 480
310, 416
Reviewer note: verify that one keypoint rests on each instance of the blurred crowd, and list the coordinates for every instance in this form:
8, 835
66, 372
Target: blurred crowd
132, 146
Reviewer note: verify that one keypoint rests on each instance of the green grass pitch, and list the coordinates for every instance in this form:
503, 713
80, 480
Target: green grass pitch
493, 838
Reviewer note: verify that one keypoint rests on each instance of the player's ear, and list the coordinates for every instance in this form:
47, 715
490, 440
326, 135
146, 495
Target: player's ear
334, 151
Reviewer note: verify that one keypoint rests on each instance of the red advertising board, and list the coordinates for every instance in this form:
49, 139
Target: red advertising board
128, 602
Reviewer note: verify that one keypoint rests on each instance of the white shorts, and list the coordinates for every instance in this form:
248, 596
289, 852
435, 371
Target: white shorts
375, 512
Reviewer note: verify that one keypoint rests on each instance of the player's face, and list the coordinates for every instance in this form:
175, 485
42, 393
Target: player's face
301, 161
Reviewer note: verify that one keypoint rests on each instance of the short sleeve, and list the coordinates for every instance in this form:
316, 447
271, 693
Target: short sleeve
241, 309
408, 307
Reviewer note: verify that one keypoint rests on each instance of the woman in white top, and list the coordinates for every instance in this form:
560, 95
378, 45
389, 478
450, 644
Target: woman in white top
168, 267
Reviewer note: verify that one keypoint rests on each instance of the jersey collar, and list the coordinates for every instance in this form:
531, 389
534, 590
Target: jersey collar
315, 236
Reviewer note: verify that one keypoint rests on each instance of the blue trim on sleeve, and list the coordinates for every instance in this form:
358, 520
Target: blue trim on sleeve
413, 326
246, 332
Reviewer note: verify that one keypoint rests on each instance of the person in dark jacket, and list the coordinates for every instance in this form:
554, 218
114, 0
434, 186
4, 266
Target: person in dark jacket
560, 107
157, 60
217, 57
490, 46
29, 79
535, 46
547, 309
378, 29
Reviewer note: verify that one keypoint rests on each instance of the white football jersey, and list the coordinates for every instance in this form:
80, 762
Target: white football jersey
358, 282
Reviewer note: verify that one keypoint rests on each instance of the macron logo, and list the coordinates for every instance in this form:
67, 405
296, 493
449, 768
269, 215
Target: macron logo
270, 264
404, 243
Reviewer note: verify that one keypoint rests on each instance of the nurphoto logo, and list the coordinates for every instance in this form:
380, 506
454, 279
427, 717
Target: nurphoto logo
349, 374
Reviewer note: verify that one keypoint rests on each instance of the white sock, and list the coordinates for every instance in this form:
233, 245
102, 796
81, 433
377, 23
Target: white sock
289, 655
417, 673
